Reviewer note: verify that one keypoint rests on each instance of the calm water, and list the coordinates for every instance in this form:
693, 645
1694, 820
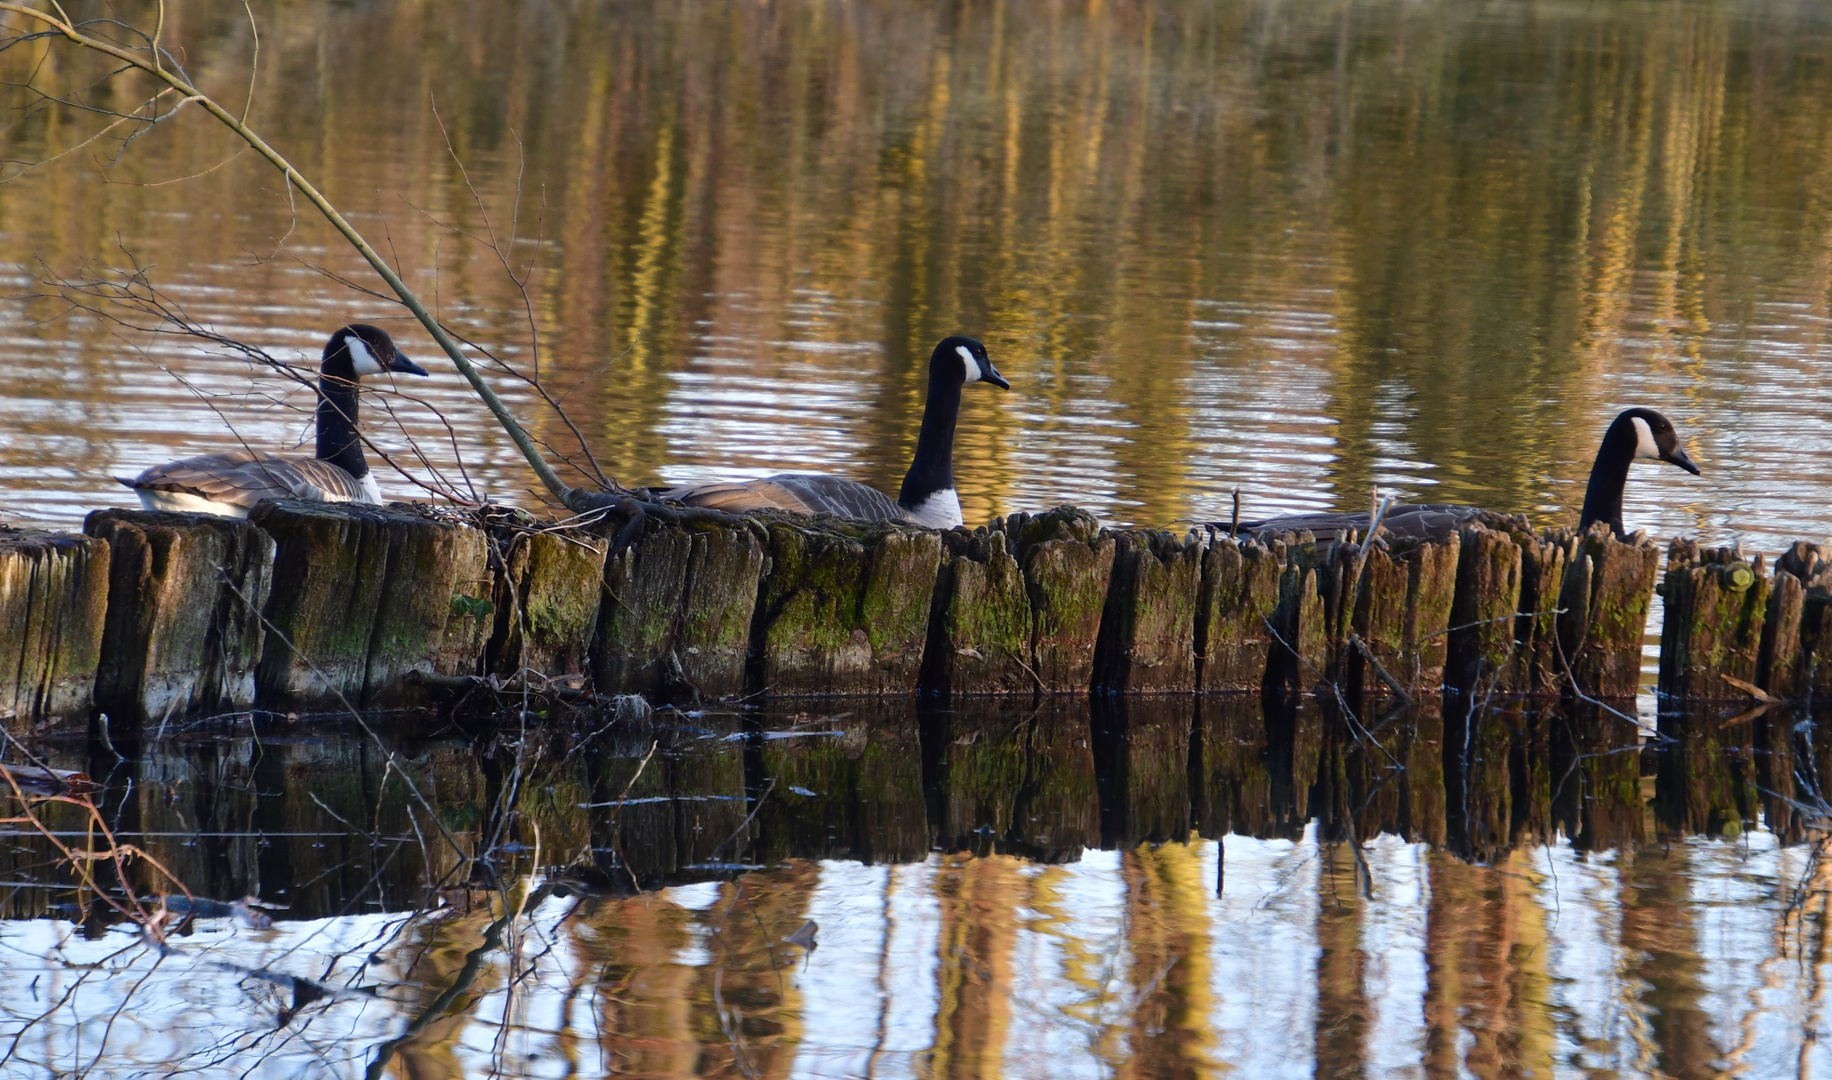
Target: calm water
1295, 248
994, 893
1298, 248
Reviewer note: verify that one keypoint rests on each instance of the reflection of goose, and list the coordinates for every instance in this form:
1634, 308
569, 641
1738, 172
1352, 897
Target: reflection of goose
232, 482
927, 497
1635, 435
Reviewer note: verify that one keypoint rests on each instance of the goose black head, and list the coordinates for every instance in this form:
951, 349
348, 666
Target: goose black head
360, 349
1652, 436
965, 358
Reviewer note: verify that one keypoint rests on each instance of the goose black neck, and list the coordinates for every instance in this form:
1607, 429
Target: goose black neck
933, 469
337, 439
1608, 476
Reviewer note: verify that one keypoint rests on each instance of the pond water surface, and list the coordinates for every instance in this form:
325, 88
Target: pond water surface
1298, 249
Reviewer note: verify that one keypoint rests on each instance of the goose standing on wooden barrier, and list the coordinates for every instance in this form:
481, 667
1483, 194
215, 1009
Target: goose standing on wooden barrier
1635, 435
927, 497
230, 483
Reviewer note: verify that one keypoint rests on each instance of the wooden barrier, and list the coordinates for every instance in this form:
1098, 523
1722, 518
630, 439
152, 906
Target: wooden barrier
385, 606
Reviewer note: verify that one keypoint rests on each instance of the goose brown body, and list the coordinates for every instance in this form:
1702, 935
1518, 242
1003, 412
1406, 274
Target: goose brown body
927, 496
1634, 435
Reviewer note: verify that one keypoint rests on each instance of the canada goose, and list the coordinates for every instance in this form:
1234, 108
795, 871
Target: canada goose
231, 483
927, 496
1635, 435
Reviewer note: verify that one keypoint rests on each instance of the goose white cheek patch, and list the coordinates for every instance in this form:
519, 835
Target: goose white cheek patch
972, 365
1645, 447
361, 358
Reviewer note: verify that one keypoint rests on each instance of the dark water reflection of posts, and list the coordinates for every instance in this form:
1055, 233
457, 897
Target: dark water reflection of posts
1398, 891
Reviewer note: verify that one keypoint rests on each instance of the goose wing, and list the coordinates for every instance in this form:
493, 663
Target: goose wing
1404, 521
797, 493
238, 478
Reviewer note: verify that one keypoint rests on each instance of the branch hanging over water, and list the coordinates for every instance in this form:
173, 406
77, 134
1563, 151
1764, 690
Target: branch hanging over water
150, 60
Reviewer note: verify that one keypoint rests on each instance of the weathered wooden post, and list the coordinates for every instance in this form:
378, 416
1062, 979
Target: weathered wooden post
1068, 565
845, 608
53, 602
547, 596
1148, 628
185, 597
644, 584
1402, 619
1301, 656
1239, 594
364, 597
1544, 558
981, 624
1798, 664
1605, 597
1716, 602
1483, 610
677, 609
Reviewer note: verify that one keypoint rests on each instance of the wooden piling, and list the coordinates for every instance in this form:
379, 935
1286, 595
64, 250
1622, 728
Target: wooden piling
981, 624
844, 608
1301, 659
1239, 594
1544, 558
1799, 665
1604, 599
644, 584
547, 596
183, 635
53, 603
1068, 566
364, 597
1402, 619
1716, 603
1483, 609
1147, 640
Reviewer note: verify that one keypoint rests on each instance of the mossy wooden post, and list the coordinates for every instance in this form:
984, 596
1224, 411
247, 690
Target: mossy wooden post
1483, 609
1068, 565
53, 602
366, 596
1799, 665
547, 602
1402, 613
1239, 594
1544, 559
1300, 656
1716, 603
1147, 638
724, 567
1604, 611
980, 627
845, 609
643, 587
1778, 660
185, 597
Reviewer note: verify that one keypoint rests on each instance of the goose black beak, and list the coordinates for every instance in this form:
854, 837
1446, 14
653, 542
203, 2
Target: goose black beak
992, 376
1679, 458
408, 367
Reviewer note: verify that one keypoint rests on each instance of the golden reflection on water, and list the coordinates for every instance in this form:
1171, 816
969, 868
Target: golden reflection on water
1701, 959
1300, 249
